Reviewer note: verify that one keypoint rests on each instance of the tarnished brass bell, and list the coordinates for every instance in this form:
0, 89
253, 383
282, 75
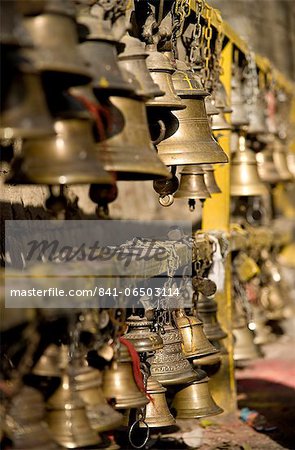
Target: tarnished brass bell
244, 346
211, 109
207, 310
56, 52
280, 160
257, 116
161, 71
140, 335
267, 168
194, 400
189, 139
67, 418
69, 157
194, 342
157, 414
119, 383
210, 180
239, 115
133, 59
192, 184
245, 180
169, 365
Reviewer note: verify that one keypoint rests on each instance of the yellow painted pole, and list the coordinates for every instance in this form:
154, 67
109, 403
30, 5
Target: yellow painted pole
216, 216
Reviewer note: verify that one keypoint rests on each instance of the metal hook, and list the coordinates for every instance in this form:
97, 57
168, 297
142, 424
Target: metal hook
140, 420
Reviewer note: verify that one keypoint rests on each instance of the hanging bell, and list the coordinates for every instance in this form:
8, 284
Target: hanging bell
239, 115
263, 333
119, 384
211, 109
257, 116
245, 180
24, 111
210, 180
161, 71
56, 52
280, 160
53, 360
221, 99
157, 414
219, 122
140, 335
191, 141
207, 310
67, 418
195, 345
194, 400
169, 365
133, 59
192, 185
267, 168
244, 347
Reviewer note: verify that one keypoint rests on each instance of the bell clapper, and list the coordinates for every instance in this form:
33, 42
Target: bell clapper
102, 195
192, 204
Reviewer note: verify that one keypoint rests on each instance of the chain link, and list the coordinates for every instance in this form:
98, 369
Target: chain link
251, 79
207, 54
195, 48
217, 69
181, 9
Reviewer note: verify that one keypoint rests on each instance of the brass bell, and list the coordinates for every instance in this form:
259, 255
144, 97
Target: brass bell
239, 115
207, 310
245, 180
24, 111
194, 400
169, 365
51, 363
211, 109
67, 418
157, 414
161, 71
119, 383
257, 116
263, 333
221, 99
140, 335
192, 185
56, 52
280, 160
210, 180
244, 347
219, 122
191, 140
133, 59
195, 345
267, 168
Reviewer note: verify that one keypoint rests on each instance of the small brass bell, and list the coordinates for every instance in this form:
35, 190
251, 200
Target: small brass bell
195, 345
267, 168
221, 99
194, 400
244, 346
207, 310
280, 160
53, 360
119, 383
161, 71
191, 141
211, 109
169, 365
210, 180
257, 116
56, 52
133, 59
263, 333
24, 111
157, 414
239, 115
245, 180
220, 123
192, 184
140, 335
67, 418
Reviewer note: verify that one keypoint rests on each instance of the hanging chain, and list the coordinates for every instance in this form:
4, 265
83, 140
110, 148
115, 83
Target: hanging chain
217, 69
251, 77
195, 48
181, 9
208, 32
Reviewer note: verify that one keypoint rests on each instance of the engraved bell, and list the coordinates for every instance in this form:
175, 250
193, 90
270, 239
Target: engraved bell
169, 365
210, 180
140, 335
194, 400
192, 185
119, 384
245, 180
257, 116
24, 110
190, 140
267, 168
157, 414
67, 418
195, 345
133, 59
280, 160
207, 310
239, 115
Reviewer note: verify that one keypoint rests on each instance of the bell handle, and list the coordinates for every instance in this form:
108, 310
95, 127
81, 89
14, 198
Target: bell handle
162, 132
140, 420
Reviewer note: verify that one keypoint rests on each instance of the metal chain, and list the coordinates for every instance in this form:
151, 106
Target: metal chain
217, 69
251, 77
195, 48
181, 9
208, 32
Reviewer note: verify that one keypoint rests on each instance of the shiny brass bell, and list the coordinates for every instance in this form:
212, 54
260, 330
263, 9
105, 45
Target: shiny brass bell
194, 400
119, 384
280, 160
245, 180
244, 347
190, 141
195, 345
169, 365
157, 414
192, 185
55, 52
267, 168
161, 71
133, 59
140, 335
239, 115
24, 111
257, 116
69, 157
207, 310
67, 418
210, 180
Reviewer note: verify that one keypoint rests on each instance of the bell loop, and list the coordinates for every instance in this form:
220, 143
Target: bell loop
130, 434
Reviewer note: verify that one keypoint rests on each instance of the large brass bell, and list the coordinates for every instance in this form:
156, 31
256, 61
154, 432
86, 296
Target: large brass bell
267, 168
190, 140
280, 160
239, 115
257, 116
140, 335
161, 71
133, 59
210, 180
169, 365
67, 418
245, 180
119, 383
195, 345
24, 111
207, 310
194, 400
157, 414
